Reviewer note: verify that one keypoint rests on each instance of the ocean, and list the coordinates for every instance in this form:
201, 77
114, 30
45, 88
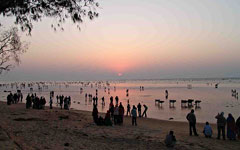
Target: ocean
213, 100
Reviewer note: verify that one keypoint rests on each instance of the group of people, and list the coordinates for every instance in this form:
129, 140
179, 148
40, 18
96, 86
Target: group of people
64, 101
35, 102
139, 110
14, 98
233, 127
116, 112
99, 120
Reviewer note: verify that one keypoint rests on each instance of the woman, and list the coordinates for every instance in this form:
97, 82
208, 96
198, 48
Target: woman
231, 128
107, 119
95, 114
238, 127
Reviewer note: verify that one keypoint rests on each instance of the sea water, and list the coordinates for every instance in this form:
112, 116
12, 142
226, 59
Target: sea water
213, 100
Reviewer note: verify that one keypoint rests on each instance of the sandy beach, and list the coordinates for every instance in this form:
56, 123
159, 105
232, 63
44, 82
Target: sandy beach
61, 129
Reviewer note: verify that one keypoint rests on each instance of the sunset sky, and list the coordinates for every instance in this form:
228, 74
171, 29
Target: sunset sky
137, 39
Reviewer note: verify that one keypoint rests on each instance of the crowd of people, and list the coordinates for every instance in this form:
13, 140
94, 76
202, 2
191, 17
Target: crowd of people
64, 101
33, 101
14, 98
115, 113
233, 127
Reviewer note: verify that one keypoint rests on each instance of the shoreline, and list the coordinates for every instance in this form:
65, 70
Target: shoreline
22, 128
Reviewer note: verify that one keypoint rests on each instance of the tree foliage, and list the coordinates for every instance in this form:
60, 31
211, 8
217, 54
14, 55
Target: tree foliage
27, 11
11, 47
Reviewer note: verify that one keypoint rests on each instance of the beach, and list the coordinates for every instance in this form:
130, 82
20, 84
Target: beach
213, 101
27, 129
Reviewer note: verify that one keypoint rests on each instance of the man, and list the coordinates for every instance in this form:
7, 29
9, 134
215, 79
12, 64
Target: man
128, 109
221, 123
139, 106
192, 122
145, 110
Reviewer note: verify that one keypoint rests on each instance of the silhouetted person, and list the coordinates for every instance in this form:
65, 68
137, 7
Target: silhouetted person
51, 102
103, 101
66, 103
192, 122
86, 95
145, 111
139, 106
107, 119
61, 101
134, 115
166, 94
96, 100
28, 101
15, 98
21, 96
207, 131
116, 114
116, 99
231, 127
170, 139
238, 127
10, 99
121, 113
111, 108
128, 109
95, 114
111, 99
221, 123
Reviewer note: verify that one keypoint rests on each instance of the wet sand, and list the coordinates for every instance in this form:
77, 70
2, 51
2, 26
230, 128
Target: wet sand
61, 129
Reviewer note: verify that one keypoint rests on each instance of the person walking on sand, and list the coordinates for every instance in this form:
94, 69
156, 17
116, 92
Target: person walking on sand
221, 123
134, 115
170, 139
139, 106
145, 110
207, 131
192, 122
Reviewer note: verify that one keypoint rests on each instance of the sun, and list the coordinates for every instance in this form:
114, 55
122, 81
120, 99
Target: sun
120, 74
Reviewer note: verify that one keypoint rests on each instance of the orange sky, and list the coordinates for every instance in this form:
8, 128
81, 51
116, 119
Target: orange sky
149, 38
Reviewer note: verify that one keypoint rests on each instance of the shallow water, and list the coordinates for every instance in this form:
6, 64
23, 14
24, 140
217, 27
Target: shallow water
214, 100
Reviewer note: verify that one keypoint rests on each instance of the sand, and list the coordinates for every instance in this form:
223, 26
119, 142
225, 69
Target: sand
27, 129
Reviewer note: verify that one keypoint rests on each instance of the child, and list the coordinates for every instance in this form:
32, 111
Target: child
170, 140
207, 130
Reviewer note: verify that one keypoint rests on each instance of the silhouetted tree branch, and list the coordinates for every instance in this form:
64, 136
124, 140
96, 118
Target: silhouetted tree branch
27, 11
11, 47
